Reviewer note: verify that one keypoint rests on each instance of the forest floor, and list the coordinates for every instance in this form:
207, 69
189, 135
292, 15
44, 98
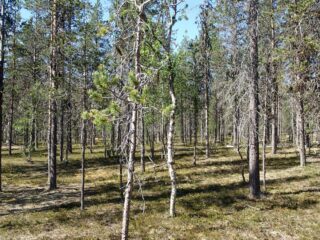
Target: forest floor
212, 201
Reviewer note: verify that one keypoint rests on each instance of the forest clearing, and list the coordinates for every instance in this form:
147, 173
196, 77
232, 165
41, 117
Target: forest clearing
212, 200
159, 119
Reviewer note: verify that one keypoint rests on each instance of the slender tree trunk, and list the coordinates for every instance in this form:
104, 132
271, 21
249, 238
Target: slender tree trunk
2, 42
170, 138
10, 130
195, 130
273, 75
83, 158
152, 137
120, 158
206, 118
12, 95
254, 178
132, 126
84, 133
52, 129
69, 127
83, 148
216, 119
170, 160
62, 131
182, 130
142, 142
69, 94
264, 138
91, 130
301, 132
104, 137
112, 140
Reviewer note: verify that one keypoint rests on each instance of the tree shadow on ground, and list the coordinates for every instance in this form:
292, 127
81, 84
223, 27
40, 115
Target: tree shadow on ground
65, 197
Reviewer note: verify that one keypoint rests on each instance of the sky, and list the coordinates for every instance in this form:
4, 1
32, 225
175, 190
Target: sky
184, 28
188, 28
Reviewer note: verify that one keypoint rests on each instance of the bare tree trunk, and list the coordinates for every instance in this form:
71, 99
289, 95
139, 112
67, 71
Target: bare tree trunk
206, 58
104, 137
52, 129
216, 118
91, 136
273, 75
112, 139
206, 118
62, 131
84, 133
120, 158
12, 95
182, 130
264, 139
170, 160
195, 130
2, 42
301, 132
254, 179
10, 130
152, 137
83, 152
143, 150
69, 97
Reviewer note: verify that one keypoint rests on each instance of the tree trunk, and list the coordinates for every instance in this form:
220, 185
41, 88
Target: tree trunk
142, 142
273, 76
61, 131
152, 137
254, 179
170, 160
170, 138
195, 130
52, 128
12, 95
182, 130
264, 138
132, 126
104, 137
10, 130
301, 132
2, 42
83, 153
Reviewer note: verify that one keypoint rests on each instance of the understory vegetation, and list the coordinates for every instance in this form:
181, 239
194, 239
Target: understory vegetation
213, 201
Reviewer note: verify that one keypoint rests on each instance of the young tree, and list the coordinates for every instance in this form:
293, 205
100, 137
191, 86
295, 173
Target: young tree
171, 11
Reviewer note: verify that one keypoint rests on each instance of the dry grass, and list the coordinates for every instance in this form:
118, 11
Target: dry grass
212, 200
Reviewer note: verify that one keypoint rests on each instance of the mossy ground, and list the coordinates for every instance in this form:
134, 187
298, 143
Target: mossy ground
212, 201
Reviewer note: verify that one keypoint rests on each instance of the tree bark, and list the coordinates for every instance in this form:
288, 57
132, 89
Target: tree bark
143, 150
62, 131
52, 122
2, 42
195, 129
254, 179
301, 132
170, 138
132, 126
273, 76
83, 148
